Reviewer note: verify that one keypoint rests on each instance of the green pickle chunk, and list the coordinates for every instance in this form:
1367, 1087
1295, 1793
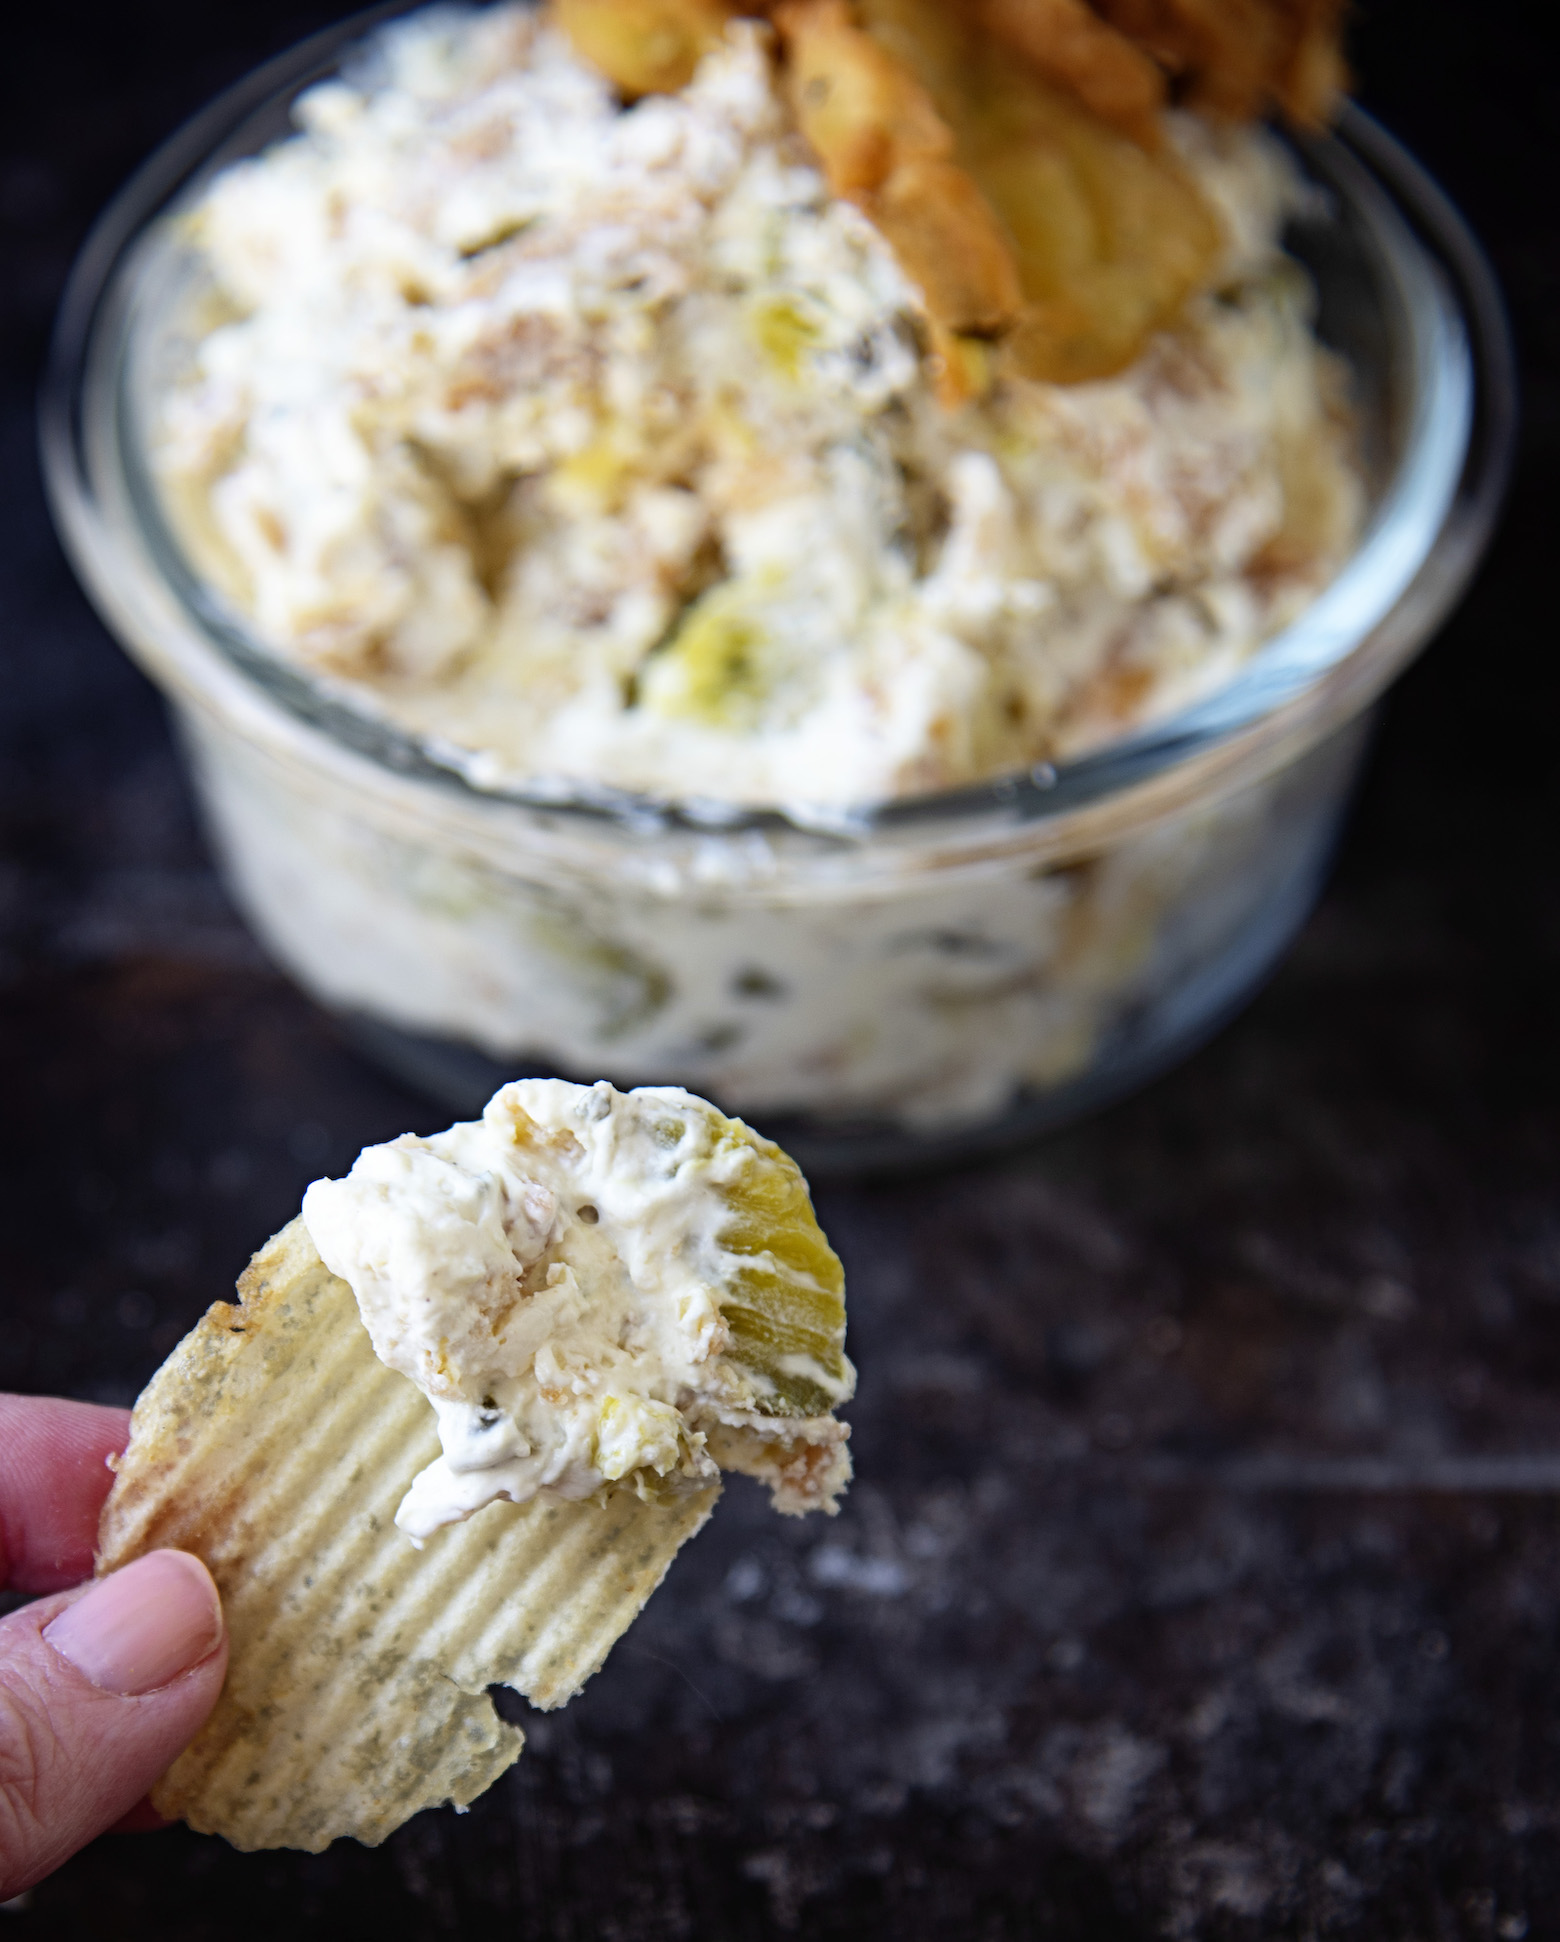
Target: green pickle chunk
785, 1299
722, 665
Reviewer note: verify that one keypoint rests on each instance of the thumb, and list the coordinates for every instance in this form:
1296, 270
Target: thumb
99, 1691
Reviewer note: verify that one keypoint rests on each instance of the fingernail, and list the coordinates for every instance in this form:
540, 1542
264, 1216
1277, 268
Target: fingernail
142, 1627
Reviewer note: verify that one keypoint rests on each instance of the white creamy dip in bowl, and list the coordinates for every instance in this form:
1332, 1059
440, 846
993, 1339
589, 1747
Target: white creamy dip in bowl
828, 913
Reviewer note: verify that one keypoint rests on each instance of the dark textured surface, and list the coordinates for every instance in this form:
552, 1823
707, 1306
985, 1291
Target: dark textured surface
1201, 1579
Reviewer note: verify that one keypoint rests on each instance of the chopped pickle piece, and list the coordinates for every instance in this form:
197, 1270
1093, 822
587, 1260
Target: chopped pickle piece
785, 334
787, 1312
624, 987
587, 1285
717, 667
597, 479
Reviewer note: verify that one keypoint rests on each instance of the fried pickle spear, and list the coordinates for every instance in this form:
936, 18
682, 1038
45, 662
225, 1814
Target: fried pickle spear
1313, 74
1109, 239
645, 46
1232, 59
1067, 43
1031, 201
885, 147
862, 110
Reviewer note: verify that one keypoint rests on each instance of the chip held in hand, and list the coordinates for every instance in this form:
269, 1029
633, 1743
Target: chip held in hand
607, 1299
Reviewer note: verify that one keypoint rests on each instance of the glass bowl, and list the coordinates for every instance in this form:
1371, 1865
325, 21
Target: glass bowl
893, 985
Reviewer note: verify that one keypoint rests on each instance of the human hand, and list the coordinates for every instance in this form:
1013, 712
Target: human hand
101, 1686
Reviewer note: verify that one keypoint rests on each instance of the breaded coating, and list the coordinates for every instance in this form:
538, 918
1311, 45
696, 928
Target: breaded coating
1111, 240
863, 112
645, 46
1230, 59
884, 145
1067, 43
1234, 59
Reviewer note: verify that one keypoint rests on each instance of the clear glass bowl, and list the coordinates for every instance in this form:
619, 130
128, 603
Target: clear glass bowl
912, 981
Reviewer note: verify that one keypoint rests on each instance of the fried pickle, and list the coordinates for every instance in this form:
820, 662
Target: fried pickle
1231, 59
1111, 240
932, 39
1108, 239
951, 245
1313, 74
862, 111
1068, 44
645, 46
884, 145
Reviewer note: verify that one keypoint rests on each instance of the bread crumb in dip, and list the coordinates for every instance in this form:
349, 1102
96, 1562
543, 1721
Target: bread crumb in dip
604, 446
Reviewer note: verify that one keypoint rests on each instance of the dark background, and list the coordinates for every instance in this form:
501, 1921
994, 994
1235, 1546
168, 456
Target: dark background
1029, 1684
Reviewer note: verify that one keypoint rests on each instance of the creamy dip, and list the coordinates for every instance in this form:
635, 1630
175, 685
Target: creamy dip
571, 1282
599, 445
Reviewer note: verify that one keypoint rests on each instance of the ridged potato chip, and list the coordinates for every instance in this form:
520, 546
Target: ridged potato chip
275, 1446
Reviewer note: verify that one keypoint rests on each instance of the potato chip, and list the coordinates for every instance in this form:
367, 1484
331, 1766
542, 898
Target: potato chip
274, 1445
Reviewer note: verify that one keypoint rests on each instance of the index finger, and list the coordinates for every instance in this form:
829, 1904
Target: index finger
54, 1476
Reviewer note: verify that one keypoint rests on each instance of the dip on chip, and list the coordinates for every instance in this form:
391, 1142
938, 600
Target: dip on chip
608, 1299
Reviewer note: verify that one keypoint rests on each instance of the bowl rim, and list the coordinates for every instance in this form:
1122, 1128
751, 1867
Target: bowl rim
1422, 542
